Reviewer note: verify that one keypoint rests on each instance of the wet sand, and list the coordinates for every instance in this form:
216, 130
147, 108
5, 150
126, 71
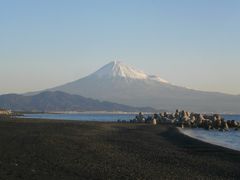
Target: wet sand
47, 149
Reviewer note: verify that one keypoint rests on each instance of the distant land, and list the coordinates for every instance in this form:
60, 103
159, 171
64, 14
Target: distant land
120, 83
62, 102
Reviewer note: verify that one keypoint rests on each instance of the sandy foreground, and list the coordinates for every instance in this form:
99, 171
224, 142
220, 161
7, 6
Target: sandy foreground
47, 149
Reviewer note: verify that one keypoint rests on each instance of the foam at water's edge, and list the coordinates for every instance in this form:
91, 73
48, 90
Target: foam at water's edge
214, 137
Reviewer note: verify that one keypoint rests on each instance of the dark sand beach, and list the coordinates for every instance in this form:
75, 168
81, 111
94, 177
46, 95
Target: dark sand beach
47, 149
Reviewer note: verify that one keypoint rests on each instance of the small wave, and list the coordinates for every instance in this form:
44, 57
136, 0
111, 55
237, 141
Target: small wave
228, 139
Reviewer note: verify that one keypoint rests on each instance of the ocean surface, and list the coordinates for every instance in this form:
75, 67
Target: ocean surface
83, 117
229, 139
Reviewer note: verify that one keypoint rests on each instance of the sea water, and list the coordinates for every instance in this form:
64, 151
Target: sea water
229, 139
83, 117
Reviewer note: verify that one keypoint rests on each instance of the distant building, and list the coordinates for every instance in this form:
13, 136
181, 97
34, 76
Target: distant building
5, 112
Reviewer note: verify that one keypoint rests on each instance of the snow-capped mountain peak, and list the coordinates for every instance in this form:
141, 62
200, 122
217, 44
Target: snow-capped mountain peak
120, 83
118, 69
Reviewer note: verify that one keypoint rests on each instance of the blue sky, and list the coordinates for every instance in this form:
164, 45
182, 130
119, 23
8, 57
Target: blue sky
192, 43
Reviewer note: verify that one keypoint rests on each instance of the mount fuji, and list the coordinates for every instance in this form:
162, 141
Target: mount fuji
120, 83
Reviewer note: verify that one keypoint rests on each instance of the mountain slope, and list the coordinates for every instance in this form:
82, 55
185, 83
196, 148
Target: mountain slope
60, 101
117, 82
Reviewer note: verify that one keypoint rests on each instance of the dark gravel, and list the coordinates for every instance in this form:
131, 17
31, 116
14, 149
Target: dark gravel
47, 149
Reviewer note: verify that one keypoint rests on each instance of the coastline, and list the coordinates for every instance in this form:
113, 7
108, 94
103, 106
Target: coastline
191, 134
45, 149
205, 136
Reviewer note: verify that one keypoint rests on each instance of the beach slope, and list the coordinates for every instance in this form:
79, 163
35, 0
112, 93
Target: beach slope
47, 149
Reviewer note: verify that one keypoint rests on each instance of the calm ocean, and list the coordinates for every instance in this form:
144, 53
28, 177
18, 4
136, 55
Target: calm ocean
83, 117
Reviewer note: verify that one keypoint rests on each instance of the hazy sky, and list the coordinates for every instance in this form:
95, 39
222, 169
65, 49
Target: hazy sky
192, 43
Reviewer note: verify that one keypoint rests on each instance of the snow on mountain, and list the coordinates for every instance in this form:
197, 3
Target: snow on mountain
157, 78
117, 69
120, 83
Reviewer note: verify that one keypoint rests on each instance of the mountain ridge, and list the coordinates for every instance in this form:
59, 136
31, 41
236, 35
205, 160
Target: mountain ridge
60, 101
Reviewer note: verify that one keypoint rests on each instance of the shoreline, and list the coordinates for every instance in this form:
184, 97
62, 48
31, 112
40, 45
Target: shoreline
181, 131
193, 136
